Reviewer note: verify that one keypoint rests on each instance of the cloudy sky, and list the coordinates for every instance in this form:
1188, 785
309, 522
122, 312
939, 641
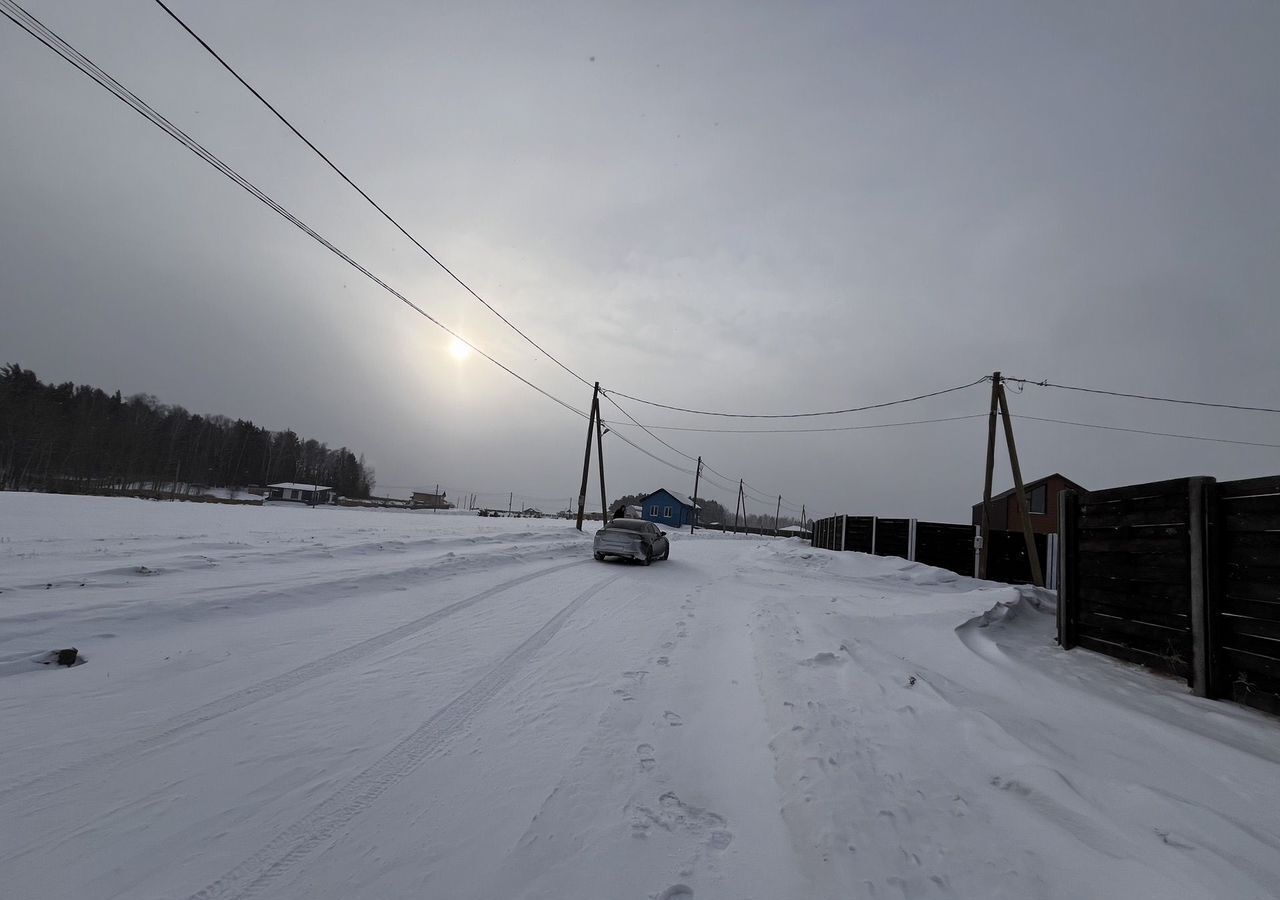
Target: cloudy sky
740, 207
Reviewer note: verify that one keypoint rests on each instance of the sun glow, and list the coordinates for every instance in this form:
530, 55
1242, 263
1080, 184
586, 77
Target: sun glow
458, 350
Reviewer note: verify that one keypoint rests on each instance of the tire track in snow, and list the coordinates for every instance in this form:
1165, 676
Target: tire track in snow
263, 690
255, 875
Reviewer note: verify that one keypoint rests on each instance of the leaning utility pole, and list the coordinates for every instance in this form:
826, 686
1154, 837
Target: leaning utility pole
693, 522
775, 515
604, 504
1033, 555
986, 487
740, 503
586, 459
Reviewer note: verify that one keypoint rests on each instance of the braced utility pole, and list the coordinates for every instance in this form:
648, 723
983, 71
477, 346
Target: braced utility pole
986, 487
586, 459
696, 475
1024, 511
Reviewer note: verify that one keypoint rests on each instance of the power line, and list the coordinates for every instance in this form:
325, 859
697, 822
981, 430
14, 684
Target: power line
37, 29
359, 190
1188, 437
830, 412
1068, 387
810, 430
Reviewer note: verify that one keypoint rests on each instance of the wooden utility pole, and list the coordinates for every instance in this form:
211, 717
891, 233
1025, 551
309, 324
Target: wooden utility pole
986, 488
776, 513
736, 505
1033, 556
696, 475
604, 504
437, 503
586, 459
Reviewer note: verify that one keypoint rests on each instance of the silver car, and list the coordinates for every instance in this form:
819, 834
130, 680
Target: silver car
634, 539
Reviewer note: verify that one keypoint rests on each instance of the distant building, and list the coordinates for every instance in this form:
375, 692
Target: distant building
429, 500
1042, 504
667, 508
311, 494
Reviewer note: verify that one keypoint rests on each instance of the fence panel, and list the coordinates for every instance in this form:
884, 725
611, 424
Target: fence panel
858, 533
1246, 613
945, 546
1007, 556
1131, 590
893, 537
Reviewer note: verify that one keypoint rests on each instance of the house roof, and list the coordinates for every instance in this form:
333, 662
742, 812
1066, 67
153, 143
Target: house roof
1028, 485
294, 486
679, 498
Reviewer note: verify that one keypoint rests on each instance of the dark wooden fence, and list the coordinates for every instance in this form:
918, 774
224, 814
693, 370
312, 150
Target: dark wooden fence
1007, 560
933, 543
892, 537
1244, 625
1182, 576
946, 546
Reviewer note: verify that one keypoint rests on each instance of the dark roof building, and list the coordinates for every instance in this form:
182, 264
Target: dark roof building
1042, 504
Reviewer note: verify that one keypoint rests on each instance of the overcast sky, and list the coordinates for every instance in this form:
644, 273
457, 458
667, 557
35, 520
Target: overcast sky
742, 207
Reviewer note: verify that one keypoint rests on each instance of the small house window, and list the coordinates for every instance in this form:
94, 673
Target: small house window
653, 510
666, 512
1036, 500
293, 494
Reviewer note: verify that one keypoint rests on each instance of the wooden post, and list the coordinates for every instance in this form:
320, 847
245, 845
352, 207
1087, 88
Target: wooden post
844, 532
1200, 490
604, 504
776, 512
1068, 548
437, 507
874, 521
1024, 509
586, 459
696, 475
985, 536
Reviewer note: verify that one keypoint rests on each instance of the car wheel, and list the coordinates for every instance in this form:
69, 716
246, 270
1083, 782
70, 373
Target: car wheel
648, 557
600, 557
666, 554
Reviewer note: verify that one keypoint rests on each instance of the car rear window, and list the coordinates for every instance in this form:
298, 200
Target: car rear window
628, 525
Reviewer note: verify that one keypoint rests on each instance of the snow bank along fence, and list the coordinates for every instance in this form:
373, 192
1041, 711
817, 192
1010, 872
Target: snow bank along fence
1182, 576
940, 544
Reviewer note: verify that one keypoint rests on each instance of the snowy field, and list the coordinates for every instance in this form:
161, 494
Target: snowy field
332, 704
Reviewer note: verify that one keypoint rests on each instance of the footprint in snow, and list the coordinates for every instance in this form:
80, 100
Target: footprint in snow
663, 661
673, 719
646, 756
676, 892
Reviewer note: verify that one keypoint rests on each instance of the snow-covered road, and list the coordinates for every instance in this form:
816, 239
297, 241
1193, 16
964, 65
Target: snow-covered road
293, 703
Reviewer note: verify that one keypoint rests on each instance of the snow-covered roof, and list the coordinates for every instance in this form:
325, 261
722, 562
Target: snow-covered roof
679, 498
294, 486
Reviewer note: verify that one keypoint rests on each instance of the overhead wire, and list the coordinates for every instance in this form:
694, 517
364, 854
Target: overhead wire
50, 39
1068, 387
829, 412
1188, 437
361, 191
833, 428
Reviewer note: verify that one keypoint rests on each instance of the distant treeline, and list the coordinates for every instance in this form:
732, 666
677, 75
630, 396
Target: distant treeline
71, 437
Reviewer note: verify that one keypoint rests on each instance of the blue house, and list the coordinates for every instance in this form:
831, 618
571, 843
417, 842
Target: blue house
665, 507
